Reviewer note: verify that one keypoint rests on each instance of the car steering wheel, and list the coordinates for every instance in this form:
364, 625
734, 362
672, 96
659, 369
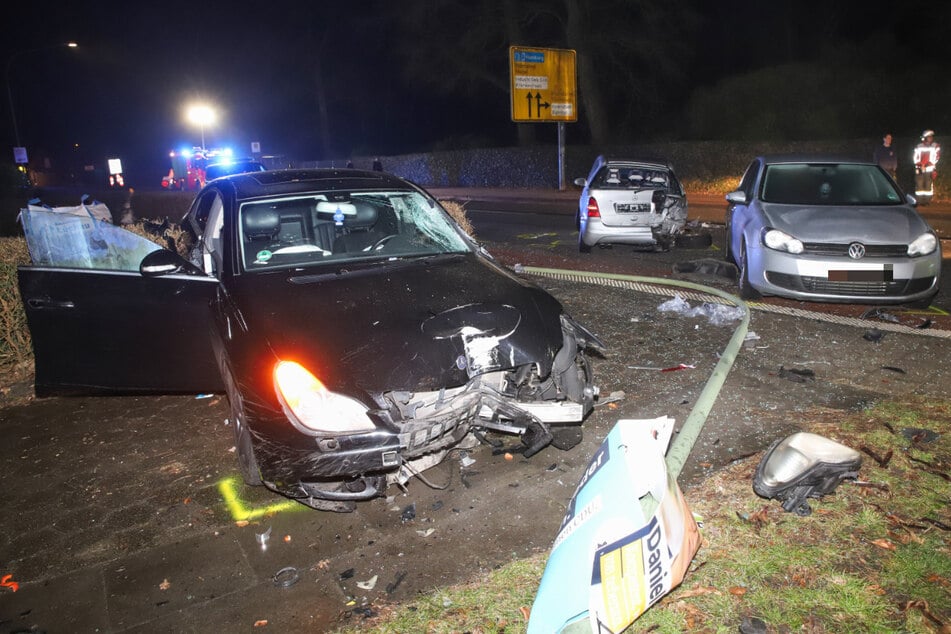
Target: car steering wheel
379, 244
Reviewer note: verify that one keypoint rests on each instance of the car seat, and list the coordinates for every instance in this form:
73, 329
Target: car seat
261, 226
359, 230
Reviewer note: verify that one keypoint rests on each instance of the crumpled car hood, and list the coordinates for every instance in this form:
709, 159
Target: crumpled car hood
871, 225
413, 326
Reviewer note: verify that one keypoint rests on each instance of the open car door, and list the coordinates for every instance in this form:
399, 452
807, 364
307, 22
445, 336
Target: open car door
99, 330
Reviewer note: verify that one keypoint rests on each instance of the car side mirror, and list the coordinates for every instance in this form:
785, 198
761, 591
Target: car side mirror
580, 182
804, 466
738, 197
911, 200
165, 262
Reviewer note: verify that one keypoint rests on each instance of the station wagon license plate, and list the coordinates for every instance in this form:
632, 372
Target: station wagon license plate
622, 208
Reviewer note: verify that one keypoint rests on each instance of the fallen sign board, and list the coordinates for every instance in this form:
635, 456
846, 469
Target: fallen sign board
626, 539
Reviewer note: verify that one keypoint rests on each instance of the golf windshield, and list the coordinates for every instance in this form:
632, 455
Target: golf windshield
828, 184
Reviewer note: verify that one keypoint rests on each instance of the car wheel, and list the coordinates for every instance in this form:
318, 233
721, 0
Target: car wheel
693, 240
746, 289
247, 462
578, 221
244, 447
727, 251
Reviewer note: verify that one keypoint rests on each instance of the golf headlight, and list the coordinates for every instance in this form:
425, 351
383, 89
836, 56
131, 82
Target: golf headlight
312, 408
781, 241
923, 245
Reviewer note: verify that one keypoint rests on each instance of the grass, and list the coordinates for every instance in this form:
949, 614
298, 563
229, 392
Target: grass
875, 556
16, 354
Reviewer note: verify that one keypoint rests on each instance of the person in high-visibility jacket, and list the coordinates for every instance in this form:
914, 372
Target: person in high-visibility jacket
926, 158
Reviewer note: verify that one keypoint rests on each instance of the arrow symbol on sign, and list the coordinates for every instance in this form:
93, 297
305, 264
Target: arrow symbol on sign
539, 105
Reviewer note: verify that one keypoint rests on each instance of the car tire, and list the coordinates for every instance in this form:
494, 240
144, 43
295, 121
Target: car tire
727, 251
746, 290
578, 221
693, 240
244, 447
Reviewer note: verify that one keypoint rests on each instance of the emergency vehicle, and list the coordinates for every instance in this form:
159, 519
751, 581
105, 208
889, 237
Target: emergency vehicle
187, 171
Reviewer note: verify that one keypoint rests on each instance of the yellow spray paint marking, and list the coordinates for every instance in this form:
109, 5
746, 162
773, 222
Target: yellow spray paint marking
240, 510
931, 310
535, 236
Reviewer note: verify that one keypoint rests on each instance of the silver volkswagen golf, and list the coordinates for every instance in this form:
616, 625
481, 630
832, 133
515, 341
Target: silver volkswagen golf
820, 228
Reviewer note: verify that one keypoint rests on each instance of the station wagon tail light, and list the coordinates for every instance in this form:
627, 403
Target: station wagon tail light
923, 245
781, 241
312, 408
593, 210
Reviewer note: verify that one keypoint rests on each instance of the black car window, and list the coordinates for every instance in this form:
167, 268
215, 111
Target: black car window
635, 177
65, 237
211, 236
828, 184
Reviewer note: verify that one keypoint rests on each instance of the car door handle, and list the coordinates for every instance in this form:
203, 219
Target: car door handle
49, 303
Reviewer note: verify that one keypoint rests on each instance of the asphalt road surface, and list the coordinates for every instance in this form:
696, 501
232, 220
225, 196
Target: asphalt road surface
126, 514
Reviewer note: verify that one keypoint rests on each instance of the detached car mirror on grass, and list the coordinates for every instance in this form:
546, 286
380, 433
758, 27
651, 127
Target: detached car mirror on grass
359, 334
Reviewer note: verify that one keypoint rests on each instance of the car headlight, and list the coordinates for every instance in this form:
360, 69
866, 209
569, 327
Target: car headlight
781, 241
923, 245
312, 408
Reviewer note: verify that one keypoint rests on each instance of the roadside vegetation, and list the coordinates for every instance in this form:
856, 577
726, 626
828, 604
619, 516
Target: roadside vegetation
16, 354
875, 556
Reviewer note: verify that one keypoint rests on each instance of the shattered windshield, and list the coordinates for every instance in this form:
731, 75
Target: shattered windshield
828, 184
340, 227
636, 177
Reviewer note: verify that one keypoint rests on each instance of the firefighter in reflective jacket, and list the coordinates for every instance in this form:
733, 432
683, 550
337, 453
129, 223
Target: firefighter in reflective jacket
926, 158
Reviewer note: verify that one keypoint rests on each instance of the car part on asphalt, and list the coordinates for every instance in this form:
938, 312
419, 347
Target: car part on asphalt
693, 239
803, 466
286, 577
797, 375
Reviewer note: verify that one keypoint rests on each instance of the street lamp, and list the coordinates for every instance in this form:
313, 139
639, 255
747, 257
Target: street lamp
201, 115
9, 65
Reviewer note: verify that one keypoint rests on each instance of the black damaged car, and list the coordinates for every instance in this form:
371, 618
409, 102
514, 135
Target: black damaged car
359, 333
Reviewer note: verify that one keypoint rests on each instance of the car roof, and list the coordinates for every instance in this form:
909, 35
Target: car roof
289, 181
645, 161
231, 161
813, 157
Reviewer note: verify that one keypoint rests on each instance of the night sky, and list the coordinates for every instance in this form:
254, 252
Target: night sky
326, 80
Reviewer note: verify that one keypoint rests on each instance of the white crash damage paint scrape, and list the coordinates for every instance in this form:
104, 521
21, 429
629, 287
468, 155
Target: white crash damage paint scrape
482, 350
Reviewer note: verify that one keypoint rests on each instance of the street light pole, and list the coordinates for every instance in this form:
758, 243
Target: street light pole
6, 77
201, 115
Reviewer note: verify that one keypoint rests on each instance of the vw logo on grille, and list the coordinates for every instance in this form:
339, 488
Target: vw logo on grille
856, 250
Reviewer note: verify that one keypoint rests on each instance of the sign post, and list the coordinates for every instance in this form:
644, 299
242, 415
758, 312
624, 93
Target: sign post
544, 90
